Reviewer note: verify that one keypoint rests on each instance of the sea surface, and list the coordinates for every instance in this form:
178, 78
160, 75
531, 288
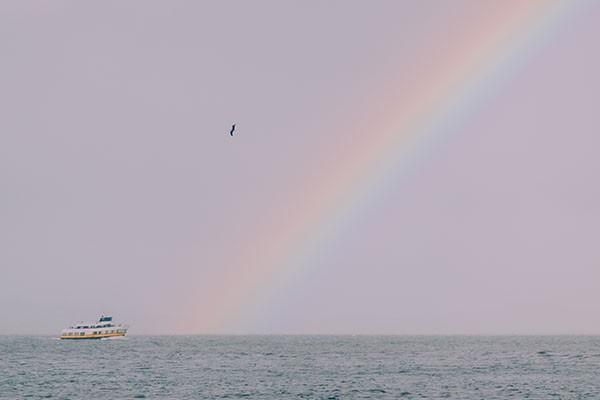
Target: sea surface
302, 367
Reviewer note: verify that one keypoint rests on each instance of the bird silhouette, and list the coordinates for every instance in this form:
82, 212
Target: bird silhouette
232, 129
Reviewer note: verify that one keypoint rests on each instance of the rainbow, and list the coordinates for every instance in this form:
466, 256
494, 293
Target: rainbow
466, 75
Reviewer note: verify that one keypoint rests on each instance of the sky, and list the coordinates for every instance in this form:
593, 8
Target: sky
399, 167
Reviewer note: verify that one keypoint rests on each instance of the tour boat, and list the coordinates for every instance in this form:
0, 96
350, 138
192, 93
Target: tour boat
104, 328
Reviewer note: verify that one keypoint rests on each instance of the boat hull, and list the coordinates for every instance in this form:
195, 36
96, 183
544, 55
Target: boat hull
93, 336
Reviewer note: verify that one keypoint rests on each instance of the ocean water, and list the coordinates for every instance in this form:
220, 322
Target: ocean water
302, 367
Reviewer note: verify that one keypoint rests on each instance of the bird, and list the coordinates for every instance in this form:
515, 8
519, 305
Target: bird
232, 129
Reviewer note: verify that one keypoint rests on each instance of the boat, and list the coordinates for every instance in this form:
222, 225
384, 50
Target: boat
103, 329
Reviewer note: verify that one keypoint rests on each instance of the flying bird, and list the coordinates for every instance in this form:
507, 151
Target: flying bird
232, 129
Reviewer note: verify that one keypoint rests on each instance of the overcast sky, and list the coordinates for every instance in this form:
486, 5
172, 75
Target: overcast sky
121, 191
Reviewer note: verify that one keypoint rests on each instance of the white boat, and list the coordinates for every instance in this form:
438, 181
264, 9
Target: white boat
104, 328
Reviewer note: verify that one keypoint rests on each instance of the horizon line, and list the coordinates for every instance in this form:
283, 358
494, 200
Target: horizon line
327, 334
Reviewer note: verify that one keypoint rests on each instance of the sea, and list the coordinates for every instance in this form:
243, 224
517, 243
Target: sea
301, 367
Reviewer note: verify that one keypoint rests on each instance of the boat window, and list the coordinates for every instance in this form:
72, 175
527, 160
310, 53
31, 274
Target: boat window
82, 334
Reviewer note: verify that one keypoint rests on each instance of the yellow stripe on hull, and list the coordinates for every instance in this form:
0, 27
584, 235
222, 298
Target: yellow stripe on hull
97, 336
